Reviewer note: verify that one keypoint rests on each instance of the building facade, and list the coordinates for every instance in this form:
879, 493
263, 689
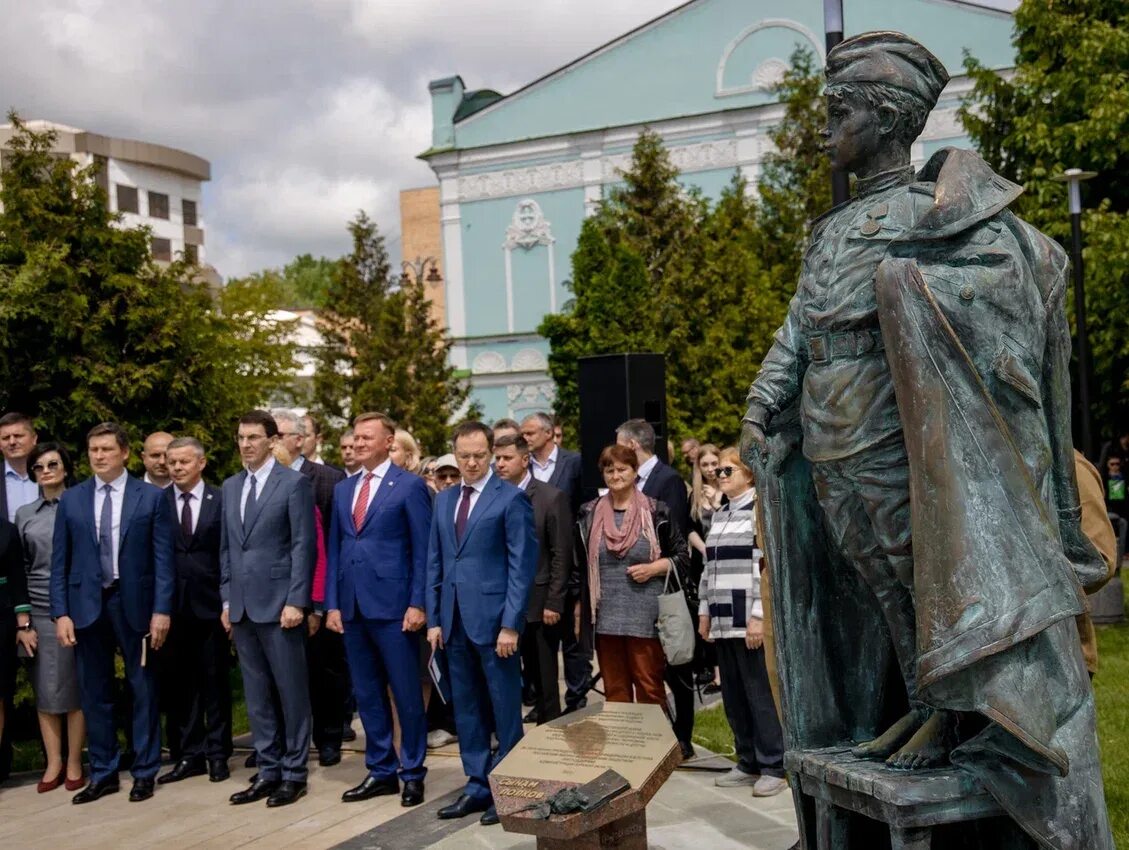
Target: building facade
518, 173
150, 185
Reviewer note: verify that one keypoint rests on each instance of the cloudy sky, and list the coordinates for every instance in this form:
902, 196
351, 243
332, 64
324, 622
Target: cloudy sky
307, 109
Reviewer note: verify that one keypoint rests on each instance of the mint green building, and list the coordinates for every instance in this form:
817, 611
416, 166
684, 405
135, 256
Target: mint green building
518, 173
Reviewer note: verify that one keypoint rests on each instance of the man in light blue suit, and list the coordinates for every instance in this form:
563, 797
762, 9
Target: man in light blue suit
112, 587
268, 545
481, 561
374, 595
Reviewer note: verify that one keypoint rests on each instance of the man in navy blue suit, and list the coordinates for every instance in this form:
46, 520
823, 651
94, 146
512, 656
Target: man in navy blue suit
374, 595
481, 561
112, 587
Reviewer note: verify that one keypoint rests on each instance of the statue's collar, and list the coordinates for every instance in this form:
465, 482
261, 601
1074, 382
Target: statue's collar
901, 176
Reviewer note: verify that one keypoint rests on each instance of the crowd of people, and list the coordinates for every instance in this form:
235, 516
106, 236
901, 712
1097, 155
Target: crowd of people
439, 594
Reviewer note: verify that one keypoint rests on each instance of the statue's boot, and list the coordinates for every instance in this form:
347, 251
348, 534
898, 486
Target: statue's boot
893, 738
930, 745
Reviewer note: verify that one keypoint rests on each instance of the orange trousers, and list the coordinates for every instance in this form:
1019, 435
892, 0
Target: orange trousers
633, 669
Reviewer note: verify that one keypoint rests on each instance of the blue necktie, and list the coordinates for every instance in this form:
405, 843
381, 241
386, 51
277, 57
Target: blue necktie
106, 536
250, 501
463, 514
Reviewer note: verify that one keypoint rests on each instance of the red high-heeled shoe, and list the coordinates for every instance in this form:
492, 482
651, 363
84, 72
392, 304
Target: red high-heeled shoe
44, 787
75, 784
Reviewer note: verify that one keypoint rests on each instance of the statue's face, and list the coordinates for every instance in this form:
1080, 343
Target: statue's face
853, 135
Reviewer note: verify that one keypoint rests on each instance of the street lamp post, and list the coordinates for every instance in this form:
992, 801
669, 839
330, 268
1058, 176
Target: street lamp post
1073, 178
419, 268
833, 29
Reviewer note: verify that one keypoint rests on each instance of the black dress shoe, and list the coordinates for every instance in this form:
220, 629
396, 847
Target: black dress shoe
531, 716
329, 756
259, 789
251, 760
413, 793
142, 790
94, 790
687, 750
182, 770
286, 793
463, 806
217, 770
490, 817
371, 787
348, 734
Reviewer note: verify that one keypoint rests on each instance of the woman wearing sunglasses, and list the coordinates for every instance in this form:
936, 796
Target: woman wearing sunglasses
54, 676
731, 616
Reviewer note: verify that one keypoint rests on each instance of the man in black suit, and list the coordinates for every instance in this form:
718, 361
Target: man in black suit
325, 650
560, 468
552, 522
197, 658
659, 481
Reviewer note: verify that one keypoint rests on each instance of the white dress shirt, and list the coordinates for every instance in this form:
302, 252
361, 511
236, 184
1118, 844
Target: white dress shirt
116, 496
149, 480
645, 471
193, 503
478, 486
377, 476
260, 475
296, 464
19, 489
543, 471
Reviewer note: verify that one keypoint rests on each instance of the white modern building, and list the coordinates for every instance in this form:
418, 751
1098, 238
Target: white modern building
149, 184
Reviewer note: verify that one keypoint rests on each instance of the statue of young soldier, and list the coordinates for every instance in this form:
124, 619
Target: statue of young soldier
922, 374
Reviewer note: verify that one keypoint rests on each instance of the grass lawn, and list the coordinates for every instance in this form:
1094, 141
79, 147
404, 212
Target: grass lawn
1111, 690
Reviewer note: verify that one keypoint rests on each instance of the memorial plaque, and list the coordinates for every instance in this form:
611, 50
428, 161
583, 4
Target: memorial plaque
633, 740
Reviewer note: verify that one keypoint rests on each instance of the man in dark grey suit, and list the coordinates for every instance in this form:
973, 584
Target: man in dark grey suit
267, 551
552, 523
559, 467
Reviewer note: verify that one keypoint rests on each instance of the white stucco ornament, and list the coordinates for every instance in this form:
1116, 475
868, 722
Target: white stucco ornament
529, 360
769, 74
488, 363
528, 228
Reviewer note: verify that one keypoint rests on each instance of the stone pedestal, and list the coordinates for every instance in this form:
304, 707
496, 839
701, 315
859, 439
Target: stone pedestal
636, 741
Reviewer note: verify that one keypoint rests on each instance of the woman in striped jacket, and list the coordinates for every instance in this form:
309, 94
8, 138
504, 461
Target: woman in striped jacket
731, 617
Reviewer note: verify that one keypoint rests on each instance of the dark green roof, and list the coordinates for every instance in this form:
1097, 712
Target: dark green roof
473, 101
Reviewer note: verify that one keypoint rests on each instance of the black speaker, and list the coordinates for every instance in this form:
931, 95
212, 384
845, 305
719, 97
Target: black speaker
614, 388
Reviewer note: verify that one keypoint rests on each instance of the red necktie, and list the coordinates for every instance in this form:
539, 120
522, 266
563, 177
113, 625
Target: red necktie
361, 506
463, 514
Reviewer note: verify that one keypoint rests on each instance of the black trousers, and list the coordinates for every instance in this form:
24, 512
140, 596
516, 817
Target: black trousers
329, 686
542, 643
681, 682
196, 679
749, 708
577, 658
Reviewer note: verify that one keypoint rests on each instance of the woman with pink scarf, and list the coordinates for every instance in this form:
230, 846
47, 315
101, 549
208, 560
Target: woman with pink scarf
626, 545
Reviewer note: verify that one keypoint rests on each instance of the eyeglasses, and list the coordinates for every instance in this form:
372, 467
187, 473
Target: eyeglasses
725, 471
51, 464
447, 475
469, 456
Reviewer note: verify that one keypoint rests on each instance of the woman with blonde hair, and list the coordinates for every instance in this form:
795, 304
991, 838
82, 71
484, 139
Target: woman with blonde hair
405, 451
731, 615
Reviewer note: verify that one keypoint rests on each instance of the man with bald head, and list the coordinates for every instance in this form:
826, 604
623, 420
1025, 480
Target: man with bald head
153, 457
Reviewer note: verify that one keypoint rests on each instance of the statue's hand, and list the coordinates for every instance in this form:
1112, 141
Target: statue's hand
754, 445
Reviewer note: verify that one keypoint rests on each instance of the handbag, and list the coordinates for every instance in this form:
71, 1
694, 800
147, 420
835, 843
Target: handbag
675, 625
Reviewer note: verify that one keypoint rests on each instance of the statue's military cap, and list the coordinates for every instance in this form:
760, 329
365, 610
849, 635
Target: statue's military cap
887, 57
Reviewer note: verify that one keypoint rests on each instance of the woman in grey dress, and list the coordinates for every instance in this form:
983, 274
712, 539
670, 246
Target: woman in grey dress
626, 545
54, 674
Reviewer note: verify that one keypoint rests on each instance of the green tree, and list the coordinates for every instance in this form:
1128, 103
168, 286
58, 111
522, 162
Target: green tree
382, 350
91, 329
1067, 106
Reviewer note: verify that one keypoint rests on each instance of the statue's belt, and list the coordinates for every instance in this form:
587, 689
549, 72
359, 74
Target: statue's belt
825, 347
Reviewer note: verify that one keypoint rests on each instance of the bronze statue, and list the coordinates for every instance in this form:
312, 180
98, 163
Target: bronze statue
911, 429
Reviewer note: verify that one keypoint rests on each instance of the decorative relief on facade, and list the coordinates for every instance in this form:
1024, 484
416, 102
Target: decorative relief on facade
521, 181
528, 228
530, 397
769, 74
488, 362
702, 156
529, 360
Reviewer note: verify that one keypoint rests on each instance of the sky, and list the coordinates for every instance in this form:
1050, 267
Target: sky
308, 110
